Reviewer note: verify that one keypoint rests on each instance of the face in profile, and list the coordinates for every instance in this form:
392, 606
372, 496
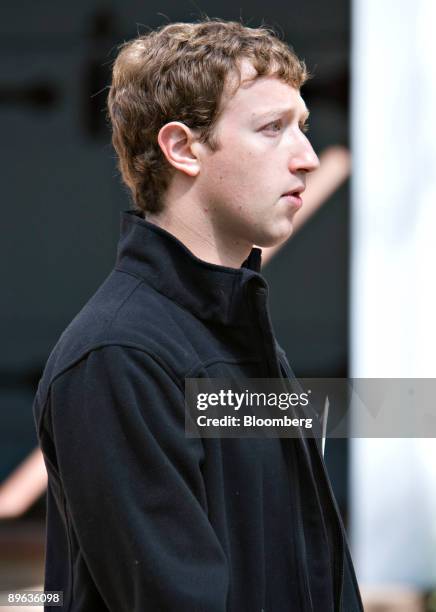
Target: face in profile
253, 183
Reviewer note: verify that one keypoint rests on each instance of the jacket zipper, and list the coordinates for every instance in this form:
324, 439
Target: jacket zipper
272, 360
339, 528
338, 566
274, 371
342, 540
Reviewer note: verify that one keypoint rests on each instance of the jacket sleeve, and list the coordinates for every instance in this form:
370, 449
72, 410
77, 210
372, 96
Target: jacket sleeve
133, 485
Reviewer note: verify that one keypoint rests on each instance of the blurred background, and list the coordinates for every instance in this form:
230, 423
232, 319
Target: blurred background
352, 293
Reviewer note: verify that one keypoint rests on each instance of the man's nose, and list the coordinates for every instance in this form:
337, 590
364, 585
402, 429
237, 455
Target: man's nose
304, 159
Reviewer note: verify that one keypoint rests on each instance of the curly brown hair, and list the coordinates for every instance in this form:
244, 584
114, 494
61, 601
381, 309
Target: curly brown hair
178, 73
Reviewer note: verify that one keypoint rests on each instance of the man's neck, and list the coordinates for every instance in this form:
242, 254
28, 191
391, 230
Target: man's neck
192, 224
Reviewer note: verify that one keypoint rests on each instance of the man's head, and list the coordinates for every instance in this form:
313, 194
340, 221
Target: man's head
216, 105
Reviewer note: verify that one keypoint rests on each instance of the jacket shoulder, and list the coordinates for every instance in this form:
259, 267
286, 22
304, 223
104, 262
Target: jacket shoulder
125, 311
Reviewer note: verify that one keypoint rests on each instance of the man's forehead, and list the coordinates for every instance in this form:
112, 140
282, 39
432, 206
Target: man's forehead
268, 95
264, 94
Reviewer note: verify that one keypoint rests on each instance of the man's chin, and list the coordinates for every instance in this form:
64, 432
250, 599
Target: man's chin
272, 240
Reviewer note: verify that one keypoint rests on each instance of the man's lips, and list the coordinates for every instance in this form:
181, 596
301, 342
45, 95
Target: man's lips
297, 191
294, 197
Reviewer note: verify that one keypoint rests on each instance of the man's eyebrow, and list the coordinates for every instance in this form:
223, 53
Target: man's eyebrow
277, 112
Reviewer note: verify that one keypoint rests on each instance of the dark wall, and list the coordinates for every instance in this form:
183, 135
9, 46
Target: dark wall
61, 194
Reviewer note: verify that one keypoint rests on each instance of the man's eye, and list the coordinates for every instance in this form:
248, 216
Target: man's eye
304, 127
274, 126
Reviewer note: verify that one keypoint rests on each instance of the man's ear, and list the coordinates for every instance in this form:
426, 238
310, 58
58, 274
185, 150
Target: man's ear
176, 141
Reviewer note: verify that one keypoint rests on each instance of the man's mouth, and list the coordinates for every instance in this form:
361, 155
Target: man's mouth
294, 196
295, 192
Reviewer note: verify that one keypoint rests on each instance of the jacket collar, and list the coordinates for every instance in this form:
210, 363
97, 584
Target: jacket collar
209, 291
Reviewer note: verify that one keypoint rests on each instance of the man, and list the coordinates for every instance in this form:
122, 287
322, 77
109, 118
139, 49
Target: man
208, 124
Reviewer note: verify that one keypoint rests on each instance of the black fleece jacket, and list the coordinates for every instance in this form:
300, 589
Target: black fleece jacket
141, 518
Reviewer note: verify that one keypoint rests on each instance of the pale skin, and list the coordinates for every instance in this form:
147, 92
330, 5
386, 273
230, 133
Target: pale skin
222, 203
24, 486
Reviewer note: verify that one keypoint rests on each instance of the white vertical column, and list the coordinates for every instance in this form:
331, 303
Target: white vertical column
393, 300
